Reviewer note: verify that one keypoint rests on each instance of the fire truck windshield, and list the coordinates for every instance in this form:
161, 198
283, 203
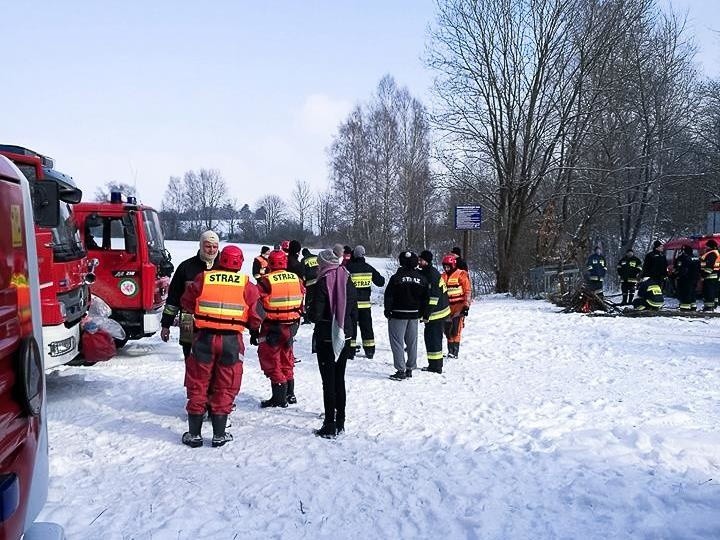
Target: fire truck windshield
67, 245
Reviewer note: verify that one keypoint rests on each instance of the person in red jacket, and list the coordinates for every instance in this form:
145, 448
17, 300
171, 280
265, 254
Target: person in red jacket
223, 302
281, 296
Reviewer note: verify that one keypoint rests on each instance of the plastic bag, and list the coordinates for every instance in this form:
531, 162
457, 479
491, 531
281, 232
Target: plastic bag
97, 345
99, 308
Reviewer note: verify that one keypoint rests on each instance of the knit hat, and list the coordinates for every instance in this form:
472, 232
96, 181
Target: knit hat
305, 252
294, 247
657, 244
408, 259
711, 244
209, 236
359, 251
456, 250
426, 256
264, 250
338, 250
327, 258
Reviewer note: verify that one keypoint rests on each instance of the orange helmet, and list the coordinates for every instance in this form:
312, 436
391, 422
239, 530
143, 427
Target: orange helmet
277, 260
231, 258
450, 260
285, 245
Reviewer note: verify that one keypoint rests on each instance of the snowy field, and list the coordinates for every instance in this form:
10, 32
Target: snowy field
547, 426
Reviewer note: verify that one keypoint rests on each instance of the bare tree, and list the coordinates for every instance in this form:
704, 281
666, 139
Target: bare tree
102, 194
302, 202
273, 213
172, 209
205, 192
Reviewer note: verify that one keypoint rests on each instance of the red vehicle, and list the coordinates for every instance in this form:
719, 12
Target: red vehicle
134, 267
62, 260
23, 432
673, 248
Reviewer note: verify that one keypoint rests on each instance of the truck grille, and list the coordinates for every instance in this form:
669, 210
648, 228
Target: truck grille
76, 303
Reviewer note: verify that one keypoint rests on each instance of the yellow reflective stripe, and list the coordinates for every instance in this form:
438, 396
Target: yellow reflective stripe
368, 342
363, 304
654, 304
310, 282
285, 302
434, 301
455, 291
220, 308
361, 281
435, 355
439, 314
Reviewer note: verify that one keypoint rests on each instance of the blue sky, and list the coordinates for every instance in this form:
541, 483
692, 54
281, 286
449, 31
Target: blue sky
139, 91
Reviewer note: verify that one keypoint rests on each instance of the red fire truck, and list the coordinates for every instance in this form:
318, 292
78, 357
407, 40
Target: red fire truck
134, 267
23, 432
63, 264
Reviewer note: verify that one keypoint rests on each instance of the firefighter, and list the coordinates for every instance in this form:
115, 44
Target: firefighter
310, 272
459, 296
186, 272
595, 271
347, 255
629, 269
649, 295
293, 260
407, 299
259, 267
363, 275
281, 295
655, 264
224, 304
439, 312
686, 272
710, 267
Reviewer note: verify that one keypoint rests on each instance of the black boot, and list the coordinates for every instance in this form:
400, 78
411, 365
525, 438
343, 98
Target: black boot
630, 298
291, 399
340, 422
457, 350
624, 300
327, 431
192, 437
220, 436
279, 396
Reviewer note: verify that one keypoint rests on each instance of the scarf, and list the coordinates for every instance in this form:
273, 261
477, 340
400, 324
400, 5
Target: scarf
336, 278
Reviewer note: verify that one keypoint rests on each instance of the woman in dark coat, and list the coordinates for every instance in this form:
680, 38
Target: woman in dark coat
332, 306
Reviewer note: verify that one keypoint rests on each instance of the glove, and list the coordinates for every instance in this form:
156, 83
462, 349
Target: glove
165, 334
254, 334
465, 311
387, 314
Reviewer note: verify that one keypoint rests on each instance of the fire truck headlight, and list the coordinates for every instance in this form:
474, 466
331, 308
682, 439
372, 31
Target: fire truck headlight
63, 310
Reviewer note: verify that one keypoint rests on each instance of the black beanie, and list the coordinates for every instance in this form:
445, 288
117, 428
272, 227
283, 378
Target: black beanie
305, 252
294, 247
408, 259
426, 256
264, 250
657, 244
456, 250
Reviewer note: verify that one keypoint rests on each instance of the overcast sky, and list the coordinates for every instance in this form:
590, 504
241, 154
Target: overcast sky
140, 91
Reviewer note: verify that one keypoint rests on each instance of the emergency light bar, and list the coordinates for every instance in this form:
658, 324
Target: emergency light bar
46, 161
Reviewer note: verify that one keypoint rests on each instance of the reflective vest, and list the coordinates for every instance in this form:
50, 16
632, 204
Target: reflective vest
221, 304
440, 306
455, 292
262, 261
284, 302
710, 273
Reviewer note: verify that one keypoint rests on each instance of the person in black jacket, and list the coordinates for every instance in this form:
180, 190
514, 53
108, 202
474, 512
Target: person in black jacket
655, 264
186, 272
439, 312
259, 267
332, 306
460, 263
310, 272
629, 269
407, 299
686, 272
363, 275
595, 271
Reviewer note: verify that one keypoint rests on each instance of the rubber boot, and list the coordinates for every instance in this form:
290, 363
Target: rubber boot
327, 431
340, 422
624, 300
192, 437
630, 298
279, 396
457, 350
220, 436
291, 399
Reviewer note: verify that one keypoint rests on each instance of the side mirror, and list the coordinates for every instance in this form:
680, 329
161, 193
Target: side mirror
46, 203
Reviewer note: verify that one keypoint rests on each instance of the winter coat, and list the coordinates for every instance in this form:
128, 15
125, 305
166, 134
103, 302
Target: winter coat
655, 265
185, 273
439, 304
709, 263
317, 305
259, 267
295, 266
629, 269
311, 268
687, 268
363, 276
649, 295
595, 268
407, 295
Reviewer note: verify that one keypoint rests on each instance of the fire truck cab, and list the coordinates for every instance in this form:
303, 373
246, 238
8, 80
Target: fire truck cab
62, 260
23, 430
134, 269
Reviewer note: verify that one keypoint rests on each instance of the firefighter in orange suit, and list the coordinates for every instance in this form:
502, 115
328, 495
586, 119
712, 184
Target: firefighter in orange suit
459, 295
260, 264
281, 296
223, 302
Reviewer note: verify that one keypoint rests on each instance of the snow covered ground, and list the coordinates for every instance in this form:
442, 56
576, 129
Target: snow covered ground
547, 426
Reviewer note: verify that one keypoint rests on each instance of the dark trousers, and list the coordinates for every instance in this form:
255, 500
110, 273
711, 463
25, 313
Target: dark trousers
433, 334
710, 292
366, 332
333, 380
628, 291
686, 294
